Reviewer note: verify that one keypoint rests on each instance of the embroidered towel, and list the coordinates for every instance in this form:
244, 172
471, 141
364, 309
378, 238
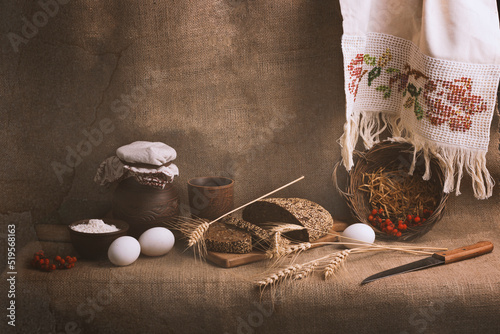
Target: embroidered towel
428, 71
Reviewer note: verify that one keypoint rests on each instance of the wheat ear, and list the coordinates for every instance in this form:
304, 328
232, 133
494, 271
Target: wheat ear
192, 229
197, 234
273, 227
296, 248
335, 263
279, 276
276, 246
306, 271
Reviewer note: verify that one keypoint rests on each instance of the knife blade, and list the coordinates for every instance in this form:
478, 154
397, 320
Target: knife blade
446, 257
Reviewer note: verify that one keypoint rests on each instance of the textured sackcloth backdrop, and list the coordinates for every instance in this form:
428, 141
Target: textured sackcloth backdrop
252, 89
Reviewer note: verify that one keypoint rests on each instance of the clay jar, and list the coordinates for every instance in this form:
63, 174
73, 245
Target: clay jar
143, 207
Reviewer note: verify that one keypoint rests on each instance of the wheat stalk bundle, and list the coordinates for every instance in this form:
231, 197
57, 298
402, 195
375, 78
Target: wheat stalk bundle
332, 262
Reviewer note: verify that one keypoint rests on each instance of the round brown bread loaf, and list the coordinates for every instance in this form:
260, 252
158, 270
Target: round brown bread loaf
316, 219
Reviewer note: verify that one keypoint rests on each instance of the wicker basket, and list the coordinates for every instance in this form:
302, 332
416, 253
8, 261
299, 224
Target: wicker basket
391, 156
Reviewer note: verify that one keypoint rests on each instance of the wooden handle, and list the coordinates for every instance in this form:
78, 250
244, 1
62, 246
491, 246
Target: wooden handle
464, 253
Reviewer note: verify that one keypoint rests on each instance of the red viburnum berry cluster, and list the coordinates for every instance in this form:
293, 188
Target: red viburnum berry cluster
396, 227
41, 262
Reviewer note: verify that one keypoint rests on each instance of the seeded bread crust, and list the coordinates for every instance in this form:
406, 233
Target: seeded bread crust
255, 230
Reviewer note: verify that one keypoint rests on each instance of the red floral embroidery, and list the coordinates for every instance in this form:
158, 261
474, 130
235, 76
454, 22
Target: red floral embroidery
356, 73
452, 102
447, 101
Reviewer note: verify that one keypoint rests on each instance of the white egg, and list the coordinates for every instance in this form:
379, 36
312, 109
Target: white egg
359, 232
124, 251
156, 241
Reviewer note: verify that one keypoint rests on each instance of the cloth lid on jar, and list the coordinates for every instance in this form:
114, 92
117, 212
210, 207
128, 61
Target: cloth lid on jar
114, 170
146, 152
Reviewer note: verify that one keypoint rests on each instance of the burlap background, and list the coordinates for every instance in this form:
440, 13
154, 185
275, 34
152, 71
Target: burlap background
250, 89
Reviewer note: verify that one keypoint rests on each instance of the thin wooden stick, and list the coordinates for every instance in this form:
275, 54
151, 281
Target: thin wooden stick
258, 199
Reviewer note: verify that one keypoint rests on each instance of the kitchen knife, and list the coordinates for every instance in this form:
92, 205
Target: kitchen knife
459, 254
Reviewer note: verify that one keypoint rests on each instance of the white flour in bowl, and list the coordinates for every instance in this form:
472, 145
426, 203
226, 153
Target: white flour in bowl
95, 226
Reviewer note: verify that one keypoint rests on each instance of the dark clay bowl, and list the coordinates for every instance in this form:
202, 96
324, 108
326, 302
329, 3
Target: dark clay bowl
95, 245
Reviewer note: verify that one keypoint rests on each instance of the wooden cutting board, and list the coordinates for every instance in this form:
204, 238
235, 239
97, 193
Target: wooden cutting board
228, 260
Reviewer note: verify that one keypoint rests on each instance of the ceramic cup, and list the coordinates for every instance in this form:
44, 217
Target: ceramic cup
210, 197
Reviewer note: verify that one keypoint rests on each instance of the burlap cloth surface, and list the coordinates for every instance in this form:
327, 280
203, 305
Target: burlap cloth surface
176, 294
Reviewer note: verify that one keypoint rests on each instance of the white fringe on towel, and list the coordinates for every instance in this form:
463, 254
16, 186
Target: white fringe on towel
452, 160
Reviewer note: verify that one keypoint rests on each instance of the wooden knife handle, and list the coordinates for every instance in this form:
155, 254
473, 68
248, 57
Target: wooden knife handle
464, 253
